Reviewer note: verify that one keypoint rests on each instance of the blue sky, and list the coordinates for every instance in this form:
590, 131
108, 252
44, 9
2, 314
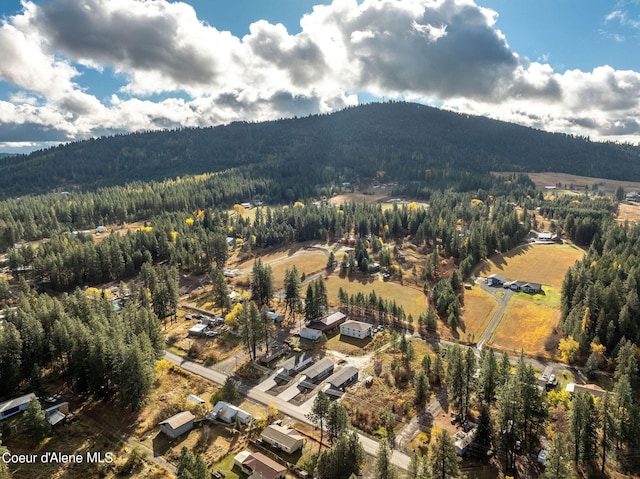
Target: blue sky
73, 69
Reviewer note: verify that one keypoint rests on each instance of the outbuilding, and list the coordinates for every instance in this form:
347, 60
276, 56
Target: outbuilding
310, 334
198, 329
177, 425
329, 323
229, 413
496, 280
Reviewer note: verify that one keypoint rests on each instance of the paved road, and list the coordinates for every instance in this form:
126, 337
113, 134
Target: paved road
370, 446
502, 303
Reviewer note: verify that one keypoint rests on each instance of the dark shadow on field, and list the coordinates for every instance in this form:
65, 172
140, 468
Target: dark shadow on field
161, 444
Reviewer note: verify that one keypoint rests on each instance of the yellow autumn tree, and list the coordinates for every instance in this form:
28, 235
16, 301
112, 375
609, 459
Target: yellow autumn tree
238, 208
189, 221
298, 204
568, 349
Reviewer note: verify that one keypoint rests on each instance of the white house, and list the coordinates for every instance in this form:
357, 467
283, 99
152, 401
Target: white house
356, 329
229, 413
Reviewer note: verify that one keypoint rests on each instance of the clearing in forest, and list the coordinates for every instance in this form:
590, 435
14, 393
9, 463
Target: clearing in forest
410, 298
539, 263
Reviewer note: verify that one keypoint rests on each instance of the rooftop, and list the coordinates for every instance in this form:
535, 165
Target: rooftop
179, 419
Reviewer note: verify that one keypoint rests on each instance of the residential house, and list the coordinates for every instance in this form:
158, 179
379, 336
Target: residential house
177, 425
343, 378
356, 329
319, 370
229, 413
15, 406
259, 466
292, 365
282, 437
496, 280
593, 389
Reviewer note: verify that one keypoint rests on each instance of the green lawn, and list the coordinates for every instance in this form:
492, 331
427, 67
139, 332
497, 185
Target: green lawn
226, 466
550, 298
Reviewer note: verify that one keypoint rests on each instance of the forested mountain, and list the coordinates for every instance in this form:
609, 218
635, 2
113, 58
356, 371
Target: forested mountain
404, 140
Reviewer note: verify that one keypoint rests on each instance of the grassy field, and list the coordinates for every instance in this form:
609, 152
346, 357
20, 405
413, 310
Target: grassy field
479, 308
628, 212
527, 323
411, 299
306, 260
544, 264
551, 179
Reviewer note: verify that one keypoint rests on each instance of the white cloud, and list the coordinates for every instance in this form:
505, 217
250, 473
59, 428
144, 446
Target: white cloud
446, 52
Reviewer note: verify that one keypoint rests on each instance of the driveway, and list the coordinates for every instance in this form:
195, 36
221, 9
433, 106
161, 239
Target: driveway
502, 296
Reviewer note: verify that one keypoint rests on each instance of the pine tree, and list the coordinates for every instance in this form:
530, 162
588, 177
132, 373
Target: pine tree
488, 377
35, 421
318, 414
444, 460
291, 291
484, 432
557, 465
337, 421
220, 290
608, 427
384, 469
421, 387
191, 466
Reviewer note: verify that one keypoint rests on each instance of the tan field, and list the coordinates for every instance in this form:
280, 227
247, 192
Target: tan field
544, 264
307, 259
479, 308
526, 325
628, 212
551, 179
410, 298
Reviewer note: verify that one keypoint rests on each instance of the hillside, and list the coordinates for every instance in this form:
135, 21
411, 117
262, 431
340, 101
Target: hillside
404, 140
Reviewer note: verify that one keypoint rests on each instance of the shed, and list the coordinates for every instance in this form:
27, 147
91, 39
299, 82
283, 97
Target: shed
15, 406
198, 329
319, 370
296, 363
310, 333
177, 425
531, 288
192, 398
344, 377
356, 329
281, 437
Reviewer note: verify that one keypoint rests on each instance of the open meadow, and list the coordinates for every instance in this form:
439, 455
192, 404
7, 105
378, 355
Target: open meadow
410, 298
307, 257
527, 324
579, 182
540, 263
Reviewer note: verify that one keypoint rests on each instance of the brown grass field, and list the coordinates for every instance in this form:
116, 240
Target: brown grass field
526, 325
479, 308
306, 260
544, 264
410, 298
551, 179
628, 212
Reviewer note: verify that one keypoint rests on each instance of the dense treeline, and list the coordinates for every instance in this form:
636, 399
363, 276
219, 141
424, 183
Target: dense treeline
94, 348
582, 216
600, 302
404, 140
67, 261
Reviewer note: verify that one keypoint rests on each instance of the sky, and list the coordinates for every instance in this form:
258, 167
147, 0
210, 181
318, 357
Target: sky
75, 69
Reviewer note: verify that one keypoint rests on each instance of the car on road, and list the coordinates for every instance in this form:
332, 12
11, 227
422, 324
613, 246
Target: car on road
211, 334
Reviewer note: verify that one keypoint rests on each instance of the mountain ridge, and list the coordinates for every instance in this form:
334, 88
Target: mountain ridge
403, 139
